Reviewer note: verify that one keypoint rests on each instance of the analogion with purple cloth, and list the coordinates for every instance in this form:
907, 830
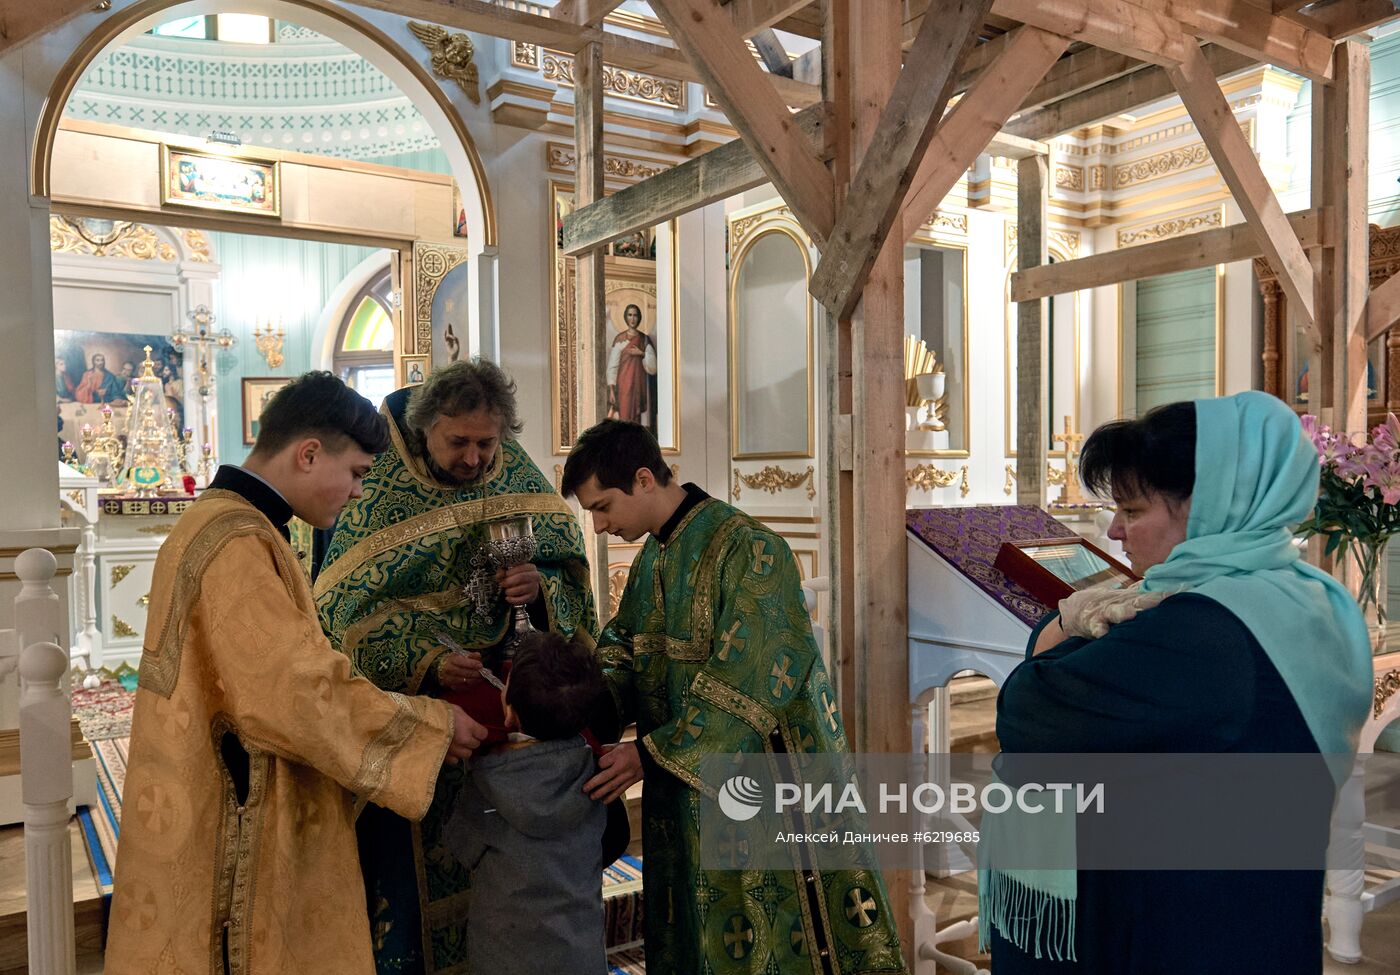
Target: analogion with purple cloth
969, 538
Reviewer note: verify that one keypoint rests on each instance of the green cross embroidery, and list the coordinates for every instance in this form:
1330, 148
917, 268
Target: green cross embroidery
761, 559
861, 911
688, 726
738, 938
732, 641
781, 679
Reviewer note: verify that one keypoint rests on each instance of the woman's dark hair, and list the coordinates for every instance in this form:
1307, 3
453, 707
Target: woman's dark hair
1154, 454
555, 686
613, 451
317, 404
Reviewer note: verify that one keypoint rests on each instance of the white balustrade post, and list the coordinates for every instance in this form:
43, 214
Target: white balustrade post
90, 639
37, 608
46, 783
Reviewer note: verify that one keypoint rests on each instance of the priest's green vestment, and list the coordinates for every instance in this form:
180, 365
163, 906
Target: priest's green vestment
394, 580
711, 651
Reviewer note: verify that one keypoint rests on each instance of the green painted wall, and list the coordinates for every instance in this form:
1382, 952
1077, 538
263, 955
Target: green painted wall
273, 276
1176, 357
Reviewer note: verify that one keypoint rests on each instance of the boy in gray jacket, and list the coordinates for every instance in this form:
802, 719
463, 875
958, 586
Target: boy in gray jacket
523, 826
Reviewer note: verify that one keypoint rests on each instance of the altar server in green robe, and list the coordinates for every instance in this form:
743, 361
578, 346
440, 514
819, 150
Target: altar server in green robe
711, 652
405, 577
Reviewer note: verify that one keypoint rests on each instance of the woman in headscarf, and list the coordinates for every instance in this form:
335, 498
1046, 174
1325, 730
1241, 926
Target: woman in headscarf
1232, 644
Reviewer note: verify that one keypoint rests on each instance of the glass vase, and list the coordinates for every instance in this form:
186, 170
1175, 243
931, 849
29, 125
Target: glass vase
1373, 592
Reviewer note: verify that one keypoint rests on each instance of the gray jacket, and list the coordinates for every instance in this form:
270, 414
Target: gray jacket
534, 845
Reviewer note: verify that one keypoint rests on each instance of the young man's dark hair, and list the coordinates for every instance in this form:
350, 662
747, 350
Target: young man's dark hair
1153, 454
464, 387
554, 687
613, 451
317, 404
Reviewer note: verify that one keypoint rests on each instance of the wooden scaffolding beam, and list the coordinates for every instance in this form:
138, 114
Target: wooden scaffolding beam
1032, 365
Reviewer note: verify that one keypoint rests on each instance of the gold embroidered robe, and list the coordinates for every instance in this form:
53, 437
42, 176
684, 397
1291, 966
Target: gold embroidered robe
233, 645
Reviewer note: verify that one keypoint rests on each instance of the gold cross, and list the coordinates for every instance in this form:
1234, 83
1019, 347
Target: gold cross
861, 910
761, 560
829, 706
731, 641
782, 680
738, 937
688, 727
1070, 493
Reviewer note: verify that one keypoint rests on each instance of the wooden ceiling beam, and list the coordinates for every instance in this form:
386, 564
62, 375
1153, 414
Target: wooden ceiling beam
747, 96
567, 37
752, 16
1148, 35
1221, 132
1148, 84
975, 120
708, 178
906, 127
584, 13
1222, 245
1383, 308
1347, 17
22, 20
1250, 28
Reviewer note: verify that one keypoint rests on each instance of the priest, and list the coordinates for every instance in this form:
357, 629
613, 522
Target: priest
406, 578
251, 737
711, 652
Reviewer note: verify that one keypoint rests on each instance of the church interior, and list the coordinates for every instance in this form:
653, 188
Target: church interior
886, 265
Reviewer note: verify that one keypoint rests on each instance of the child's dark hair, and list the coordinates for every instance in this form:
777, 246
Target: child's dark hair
555, 684
317, 404
613, 451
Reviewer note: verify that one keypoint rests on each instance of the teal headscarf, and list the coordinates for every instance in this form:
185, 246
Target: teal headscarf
1256, 478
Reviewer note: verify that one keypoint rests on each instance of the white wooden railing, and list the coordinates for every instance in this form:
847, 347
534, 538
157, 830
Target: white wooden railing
46, 766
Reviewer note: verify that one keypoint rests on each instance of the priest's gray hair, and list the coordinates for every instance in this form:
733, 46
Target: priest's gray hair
464, 387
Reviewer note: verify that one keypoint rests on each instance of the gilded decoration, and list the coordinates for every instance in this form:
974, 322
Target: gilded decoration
1064, 241
523, 55
948, 223
1098, 177
1169, 162
116, 238
774, 479
620, 82
198, 245
741, 228
122, 628
617, 582
926, 477
156, 529
120, 572
1386, 685
1174, 227
431, 262
76, 496
561, 158
1069, 178
450, 56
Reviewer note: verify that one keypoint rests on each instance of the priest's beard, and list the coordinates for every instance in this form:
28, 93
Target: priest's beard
448, 477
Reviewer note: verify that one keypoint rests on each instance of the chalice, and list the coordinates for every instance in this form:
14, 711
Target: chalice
511, 542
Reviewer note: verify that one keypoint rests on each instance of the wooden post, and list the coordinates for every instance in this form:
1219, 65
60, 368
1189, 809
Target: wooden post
1346, 119
880, 578
591, 314
1032, 202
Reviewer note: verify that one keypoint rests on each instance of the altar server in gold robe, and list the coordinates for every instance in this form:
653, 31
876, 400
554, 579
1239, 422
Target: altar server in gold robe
253, 741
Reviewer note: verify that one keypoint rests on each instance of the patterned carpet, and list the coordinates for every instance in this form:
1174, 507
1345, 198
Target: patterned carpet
622, 882
104, 711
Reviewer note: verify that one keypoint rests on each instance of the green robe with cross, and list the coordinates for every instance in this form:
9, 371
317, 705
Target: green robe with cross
711, 651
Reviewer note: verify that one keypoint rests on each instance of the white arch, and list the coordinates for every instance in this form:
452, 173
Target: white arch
327, 328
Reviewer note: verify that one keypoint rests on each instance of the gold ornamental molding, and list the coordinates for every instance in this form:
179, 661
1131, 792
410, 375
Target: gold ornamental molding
200, 248
617, 582
1162, 164
122, 628
1064, 241
125, 239
1386, 685
947, 223
636, 86
156, 529
450, 56
76, 496
431, 262
1173, 227
1069, 178
1098, 177
561, 158
926, 477
741, 228
120, 572
774, 479
1053, 475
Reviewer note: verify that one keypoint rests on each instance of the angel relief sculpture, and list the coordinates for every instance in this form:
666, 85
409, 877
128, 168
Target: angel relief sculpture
450, 55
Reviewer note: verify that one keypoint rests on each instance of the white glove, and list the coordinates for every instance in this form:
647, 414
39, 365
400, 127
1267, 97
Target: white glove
1089, 613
